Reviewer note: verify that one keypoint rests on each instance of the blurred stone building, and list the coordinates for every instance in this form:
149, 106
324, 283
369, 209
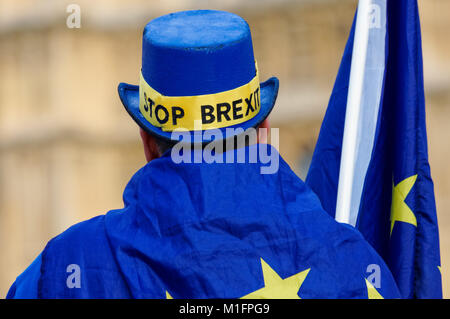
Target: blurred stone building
67, 146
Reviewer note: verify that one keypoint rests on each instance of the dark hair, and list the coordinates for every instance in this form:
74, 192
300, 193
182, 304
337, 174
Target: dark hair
164, 145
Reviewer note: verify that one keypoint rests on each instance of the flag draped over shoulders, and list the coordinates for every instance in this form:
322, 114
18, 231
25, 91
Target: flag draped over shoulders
215, 230
394, 201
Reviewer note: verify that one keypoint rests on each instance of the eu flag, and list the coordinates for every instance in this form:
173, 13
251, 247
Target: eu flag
392, 199
210, 230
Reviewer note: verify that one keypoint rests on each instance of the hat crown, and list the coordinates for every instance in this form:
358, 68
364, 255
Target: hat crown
197, 52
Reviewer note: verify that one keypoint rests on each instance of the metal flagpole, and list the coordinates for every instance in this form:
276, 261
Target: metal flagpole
349, 143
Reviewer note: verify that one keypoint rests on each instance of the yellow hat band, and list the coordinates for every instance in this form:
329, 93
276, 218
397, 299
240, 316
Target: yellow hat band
216, 110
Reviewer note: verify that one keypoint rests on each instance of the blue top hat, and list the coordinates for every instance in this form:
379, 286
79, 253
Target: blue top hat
198, 73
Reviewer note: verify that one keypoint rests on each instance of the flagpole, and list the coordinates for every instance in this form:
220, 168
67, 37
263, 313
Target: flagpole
351, 128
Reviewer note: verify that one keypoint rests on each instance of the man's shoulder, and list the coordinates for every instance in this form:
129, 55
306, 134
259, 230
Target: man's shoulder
83, 231
77, 258
85, 237
84, 244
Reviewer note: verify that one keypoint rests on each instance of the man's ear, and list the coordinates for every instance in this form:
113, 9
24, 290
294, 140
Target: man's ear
151, 150
263, 136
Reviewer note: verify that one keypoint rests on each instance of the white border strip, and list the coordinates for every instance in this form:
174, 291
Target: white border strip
349, 147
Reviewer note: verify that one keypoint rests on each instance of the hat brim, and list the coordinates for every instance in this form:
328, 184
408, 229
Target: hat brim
129, 95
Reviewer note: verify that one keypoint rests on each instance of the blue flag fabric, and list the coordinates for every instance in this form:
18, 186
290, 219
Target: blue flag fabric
196, 230
396, 211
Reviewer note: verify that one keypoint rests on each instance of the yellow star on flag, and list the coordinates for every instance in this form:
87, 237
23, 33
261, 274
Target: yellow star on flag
277, 288
399, 210
372, 293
